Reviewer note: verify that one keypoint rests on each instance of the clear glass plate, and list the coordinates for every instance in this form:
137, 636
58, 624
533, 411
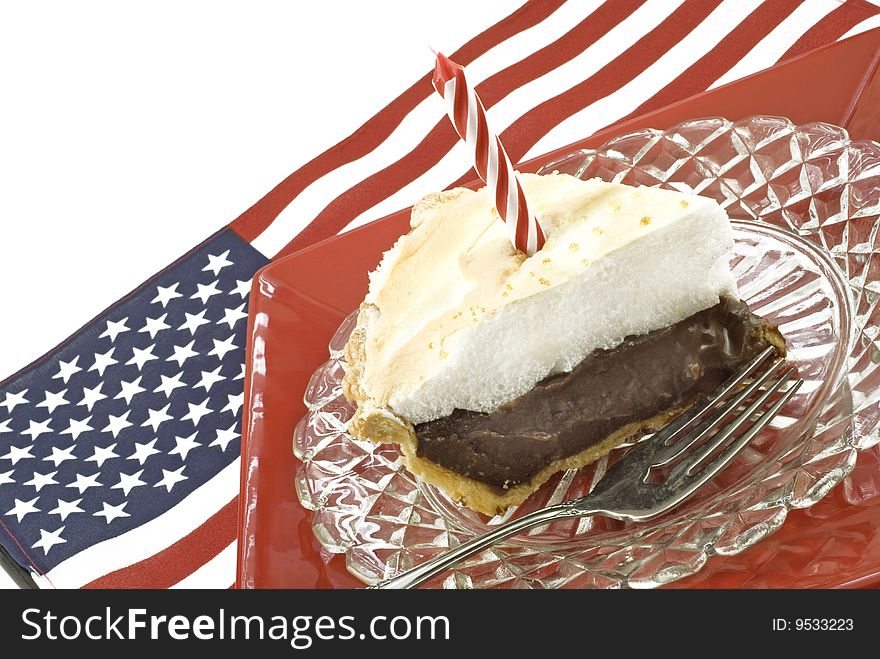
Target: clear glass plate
806, 202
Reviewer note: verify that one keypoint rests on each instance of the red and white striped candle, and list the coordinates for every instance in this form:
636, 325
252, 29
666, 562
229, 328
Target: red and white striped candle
491, 160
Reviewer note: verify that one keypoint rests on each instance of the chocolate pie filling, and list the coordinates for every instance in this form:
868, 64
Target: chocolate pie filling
566, 413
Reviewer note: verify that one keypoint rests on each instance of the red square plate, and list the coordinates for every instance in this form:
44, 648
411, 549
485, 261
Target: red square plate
298, 302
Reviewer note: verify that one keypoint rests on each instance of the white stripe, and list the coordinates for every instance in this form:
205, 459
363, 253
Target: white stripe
865, 25
152, 537
515, 104
42, 582
653, 79
449, 98
492, 166
768, 51
471, 134
219, 572
606, 49
413, 128
512, 215
532, 238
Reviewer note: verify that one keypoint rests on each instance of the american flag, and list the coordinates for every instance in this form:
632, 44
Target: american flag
119, 450
127, 438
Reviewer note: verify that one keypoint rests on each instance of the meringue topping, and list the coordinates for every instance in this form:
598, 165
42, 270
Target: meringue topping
456, 318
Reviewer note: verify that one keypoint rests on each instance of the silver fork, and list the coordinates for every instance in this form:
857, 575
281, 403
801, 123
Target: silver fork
700, 442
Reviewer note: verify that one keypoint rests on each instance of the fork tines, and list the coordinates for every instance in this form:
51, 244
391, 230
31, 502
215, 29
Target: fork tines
696, 449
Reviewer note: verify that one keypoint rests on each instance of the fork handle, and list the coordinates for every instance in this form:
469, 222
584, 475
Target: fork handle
444, 561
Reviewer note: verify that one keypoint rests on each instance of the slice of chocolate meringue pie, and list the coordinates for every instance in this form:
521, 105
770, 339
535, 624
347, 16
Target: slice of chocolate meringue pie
493, 371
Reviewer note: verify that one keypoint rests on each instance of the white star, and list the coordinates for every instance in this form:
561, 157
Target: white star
82, 483
235, 403
165, 295
222, 347
14, 400
22, 508
157, 418
116, 424
112, 512
217, 263
242, 288
182, 353
66, 369
130, 390
37, 428
209, 379
143, 451
224, 437
65, 508
15, 454
102, 454
39, 481
194, 321
127, 482
155, 325
92, 396
170, 384
102, 361
196, 412
115, 328
4, 426
60, 455
54, 400
6, 477
232, 316
171, 478
184, 445
240, 376
48, 540
76, 428
205, 292
141, 357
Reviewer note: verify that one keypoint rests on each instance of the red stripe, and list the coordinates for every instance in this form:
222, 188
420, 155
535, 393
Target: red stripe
442, 137
501, 185
538, 121
181, 559
522, 222
460, 107
482, 143
253, 221
732, 48
833, 26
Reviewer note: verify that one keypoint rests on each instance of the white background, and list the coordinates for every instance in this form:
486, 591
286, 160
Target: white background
129, 132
